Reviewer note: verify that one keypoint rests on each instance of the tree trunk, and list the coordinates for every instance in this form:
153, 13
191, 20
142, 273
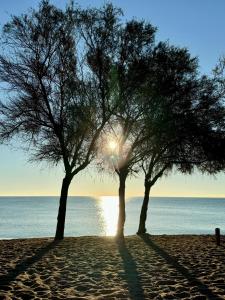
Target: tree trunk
144, 209
122, 213
59, 235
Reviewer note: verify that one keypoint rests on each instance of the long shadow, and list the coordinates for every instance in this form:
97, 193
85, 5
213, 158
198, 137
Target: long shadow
25, 264
203, 288
131, 274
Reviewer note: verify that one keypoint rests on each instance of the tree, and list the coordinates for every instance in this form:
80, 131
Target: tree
124, 131
186, 120
57, 100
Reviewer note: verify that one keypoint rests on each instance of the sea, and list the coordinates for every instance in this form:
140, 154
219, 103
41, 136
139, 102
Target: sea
26, 217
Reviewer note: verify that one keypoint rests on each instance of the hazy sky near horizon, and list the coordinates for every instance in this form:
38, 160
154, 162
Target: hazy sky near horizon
198, 25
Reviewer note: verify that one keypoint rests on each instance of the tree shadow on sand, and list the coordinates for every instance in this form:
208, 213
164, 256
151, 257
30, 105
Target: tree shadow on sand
23, 265
131, 274
203, 288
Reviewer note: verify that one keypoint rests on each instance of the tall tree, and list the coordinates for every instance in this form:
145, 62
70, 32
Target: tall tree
135, 45
55, 100
185, 119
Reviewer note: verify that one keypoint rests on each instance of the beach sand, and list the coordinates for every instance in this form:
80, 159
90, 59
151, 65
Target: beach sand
148, 267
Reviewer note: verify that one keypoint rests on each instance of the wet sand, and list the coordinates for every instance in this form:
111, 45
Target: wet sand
148, 267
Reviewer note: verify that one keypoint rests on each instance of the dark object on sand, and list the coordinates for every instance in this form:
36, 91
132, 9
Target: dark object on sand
217, 233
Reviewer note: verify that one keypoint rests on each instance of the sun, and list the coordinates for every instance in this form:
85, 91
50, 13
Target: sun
112, 145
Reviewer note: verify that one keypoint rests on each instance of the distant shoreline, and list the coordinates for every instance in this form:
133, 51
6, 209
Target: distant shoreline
188, 235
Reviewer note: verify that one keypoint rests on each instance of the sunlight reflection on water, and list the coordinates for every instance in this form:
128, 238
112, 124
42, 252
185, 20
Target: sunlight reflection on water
109, 210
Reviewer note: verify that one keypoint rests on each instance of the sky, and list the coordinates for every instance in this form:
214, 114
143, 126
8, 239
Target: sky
198, 25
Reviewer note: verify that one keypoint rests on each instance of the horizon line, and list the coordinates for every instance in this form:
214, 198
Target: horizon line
100, 196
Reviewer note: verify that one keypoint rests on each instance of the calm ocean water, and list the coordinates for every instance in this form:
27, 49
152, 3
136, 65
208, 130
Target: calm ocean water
36, 216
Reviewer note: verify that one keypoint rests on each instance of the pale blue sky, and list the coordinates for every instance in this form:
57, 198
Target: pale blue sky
198, 25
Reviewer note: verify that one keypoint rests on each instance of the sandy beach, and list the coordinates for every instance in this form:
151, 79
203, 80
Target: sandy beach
149, 267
